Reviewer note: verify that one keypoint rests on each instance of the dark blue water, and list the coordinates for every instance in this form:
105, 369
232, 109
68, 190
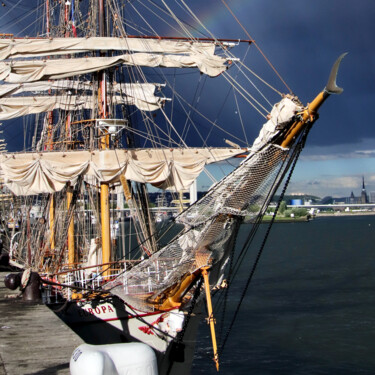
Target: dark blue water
310, 308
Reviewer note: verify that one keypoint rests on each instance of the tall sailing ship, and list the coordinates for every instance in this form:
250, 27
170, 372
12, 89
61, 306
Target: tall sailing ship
118, 108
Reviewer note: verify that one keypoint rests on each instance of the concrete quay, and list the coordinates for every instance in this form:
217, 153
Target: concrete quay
33, 340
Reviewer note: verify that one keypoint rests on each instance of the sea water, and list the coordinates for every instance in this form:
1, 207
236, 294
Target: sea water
310, 308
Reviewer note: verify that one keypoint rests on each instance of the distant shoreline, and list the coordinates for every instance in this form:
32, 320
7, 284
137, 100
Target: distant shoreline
304, 219
280, 219
340, 213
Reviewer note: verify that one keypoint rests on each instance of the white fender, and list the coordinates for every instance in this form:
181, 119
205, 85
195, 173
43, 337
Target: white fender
114, 359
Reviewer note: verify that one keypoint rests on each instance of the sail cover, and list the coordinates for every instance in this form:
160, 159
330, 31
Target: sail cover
137, 90
38, 70
174, 169
15, 48
26, 105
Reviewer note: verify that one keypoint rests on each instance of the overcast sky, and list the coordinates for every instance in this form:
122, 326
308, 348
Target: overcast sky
302, 39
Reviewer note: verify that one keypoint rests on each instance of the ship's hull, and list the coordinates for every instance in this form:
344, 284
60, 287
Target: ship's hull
111, 322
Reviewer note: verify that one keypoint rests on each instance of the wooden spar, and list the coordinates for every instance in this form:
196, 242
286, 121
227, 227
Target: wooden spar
71, 249
52, 222
105, 221
125, 187
155, 37
101, 18
69, 197
175, 296
104, 144
49, 142
191, 39
211, 319
69, 191
67, 6
47, 18
309, 115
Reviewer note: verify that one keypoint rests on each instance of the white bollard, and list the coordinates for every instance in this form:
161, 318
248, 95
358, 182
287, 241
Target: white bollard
114, 359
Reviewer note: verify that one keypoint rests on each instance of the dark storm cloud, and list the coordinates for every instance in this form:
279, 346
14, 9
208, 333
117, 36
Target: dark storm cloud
315, 34
303, 38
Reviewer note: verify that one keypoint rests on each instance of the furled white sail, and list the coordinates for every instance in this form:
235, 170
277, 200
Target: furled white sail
15, 48
136, 90
175, 169
282, 113
25, 105
36, 70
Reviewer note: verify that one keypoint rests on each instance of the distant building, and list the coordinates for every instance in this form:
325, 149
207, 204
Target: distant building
296, 202
372, 197
364, 198
327, 200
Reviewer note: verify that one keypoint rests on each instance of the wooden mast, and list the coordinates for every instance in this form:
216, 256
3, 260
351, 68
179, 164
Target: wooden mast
104, 144
52, 222
47, 19
71, 247
49, 146
69, 191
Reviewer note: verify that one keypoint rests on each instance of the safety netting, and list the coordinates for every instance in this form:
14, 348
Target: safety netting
209, 226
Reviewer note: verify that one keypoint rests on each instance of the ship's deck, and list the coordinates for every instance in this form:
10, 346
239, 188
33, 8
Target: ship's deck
33, 340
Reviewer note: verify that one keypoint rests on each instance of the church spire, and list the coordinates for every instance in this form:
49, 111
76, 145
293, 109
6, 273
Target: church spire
363, 194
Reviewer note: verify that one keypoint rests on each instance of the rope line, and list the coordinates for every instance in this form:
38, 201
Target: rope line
296, 152
258, 48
